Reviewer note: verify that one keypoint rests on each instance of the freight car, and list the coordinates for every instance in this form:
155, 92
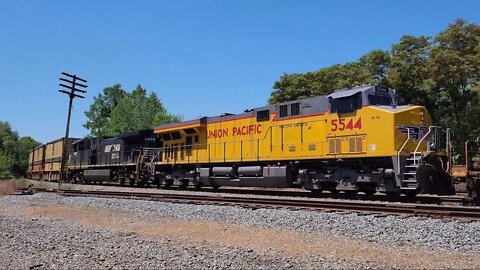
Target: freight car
126, 158
352, 140
53, 158
467, 176
45, 161
36, 163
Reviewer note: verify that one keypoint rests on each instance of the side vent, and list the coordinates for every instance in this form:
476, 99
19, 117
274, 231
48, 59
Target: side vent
359, 146
334, 146
351, 144
355, 144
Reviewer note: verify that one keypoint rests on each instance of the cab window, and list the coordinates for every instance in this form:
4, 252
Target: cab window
379, 100
346, 104
263, 115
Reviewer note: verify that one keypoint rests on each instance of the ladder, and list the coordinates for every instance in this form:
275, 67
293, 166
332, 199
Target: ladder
409, 180
146, 164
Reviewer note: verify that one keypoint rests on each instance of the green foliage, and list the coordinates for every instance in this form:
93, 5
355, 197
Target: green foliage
441, 73
117, 111
101, 109
454, 66
370, 69
5, 167
14, 152
408, 68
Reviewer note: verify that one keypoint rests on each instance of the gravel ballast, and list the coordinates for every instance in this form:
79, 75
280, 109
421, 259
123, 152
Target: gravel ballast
54, 242
43, 244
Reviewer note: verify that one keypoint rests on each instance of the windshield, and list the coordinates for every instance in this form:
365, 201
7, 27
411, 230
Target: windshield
379, 100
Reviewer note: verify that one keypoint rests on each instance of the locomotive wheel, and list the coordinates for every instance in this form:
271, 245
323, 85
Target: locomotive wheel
122, 181
78, 179
158, 180
316, 191
411, 193
198, 185
368, 189
183, 183
392, 193
473, 189
444, 184
425, 175
368, 192
168, 182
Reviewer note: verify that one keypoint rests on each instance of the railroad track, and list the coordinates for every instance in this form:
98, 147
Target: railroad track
422, 199
377, 208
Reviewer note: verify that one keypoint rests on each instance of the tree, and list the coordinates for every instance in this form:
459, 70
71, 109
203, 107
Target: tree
14, 152
454, 67
371, 68
117, 111
5, 167
24, 146
409, 72
377, 63
101, 110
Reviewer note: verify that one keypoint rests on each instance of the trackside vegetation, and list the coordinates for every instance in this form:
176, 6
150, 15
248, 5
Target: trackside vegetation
14, 152
116, 111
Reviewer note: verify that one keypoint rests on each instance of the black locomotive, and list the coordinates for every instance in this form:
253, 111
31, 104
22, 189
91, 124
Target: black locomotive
128, 158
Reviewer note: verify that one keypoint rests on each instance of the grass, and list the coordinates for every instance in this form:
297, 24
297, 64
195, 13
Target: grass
8, 187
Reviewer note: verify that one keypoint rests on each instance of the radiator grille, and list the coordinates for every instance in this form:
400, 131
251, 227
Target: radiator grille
335, 146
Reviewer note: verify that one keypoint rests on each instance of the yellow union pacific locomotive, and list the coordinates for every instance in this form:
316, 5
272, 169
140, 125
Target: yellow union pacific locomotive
352, 140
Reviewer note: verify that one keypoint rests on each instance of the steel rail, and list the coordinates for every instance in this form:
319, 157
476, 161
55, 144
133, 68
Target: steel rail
418, 210
428, 199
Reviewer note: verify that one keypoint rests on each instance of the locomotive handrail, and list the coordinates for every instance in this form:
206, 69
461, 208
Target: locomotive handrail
418, 145
401, 148
448, 149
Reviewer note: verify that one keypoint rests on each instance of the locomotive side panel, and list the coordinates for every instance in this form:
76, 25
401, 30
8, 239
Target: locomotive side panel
367, 132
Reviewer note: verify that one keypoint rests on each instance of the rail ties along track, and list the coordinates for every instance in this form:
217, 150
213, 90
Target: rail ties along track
463, 213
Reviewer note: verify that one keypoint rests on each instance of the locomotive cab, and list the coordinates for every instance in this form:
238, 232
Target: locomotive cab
349, 101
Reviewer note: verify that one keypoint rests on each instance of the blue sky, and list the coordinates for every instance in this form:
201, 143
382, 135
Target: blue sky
200, 57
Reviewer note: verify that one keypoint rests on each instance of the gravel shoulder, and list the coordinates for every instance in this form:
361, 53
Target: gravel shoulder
48, 231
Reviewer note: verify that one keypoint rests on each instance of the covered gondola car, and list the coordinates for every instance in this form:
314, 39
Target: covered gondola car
53, 158
36, 163
45, 161
352, 140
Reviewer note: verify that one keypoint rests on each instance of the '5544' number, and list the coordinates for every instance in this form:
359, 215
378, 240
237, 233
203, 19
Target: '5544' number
344, 124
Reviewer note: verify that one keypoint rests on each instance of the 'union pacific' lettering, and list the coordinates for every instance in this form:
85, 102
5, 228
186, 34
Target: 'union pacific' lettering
217, 133
247, 130
236, 131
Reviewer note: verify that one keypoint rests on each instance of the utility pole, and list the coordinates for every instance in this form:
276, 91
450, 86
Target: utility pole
71, 86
